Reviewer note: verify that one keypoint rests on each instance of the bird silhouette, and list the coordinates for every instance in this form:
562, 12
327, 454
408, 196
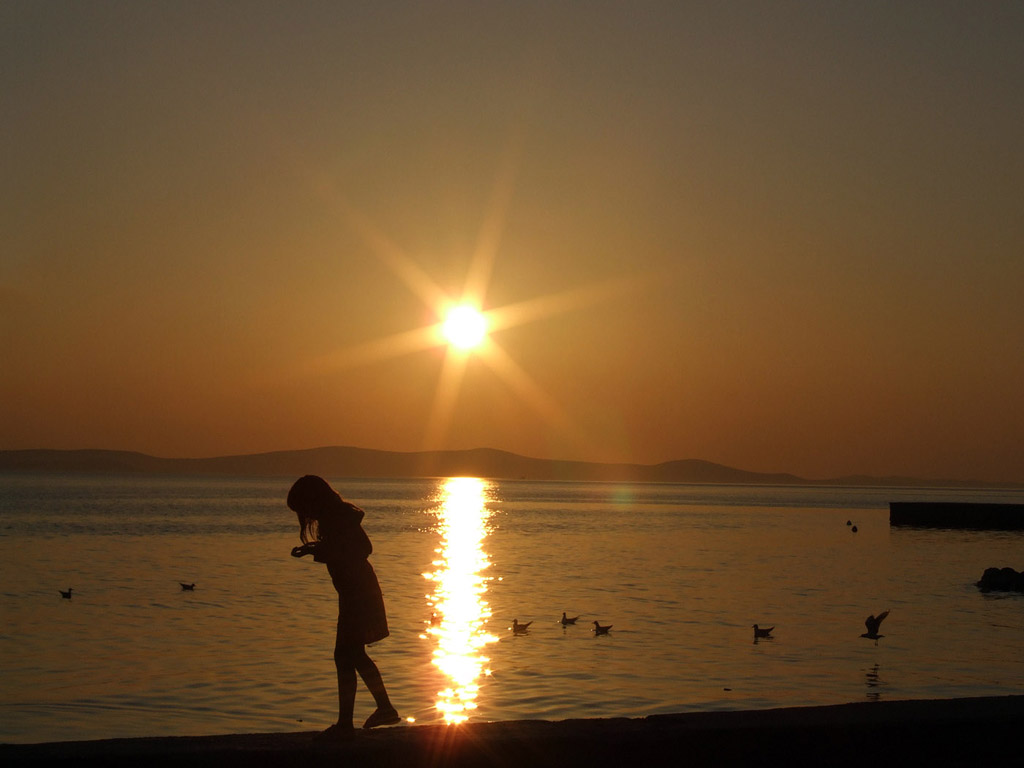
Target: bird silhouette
520, 629
762, 631
188, 587
598, 629
65, 595
567, 620
873, 623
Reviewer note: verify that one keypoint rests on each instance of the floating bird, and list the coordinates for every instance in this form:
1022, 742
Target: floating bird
762, 632
873, 623
854, 529
598, 629
66, 595
567, 620
435, 620
188, 587
520, 629
849, 522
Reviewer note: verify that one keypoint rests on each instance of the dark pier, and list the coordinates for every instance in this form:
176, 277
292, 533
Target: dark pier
944, 514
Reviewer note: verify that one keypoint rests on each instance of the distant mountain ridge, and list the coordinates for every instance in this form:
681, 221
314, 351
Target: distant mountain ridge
347, 461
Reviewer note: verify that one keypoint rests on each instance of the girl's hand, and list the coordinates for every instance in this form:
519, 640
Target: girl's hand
305, 549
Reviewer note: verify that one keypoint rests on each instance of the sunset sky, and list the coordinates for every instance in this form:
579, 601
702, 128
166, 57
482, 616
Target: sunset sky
781, 236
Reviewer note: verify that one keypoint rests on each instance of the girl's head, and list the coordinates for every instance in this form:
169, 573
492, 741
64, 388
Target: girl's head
315, 502
311, 498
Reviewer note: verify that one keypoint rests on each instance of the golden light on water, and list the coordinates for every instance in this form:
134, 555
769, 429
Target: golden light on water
460, 613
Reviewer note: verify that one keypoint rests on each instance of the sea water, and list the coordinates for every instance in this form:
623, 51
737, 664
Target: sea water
681, 572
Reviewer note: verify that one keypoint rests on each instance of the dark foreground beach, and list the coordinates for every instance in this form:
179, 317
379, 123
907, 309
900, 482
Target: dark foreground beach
973, 732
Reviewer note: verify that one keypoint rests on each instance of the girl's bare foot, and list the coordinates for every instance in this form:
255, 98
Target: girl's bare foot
387, 716
336, 732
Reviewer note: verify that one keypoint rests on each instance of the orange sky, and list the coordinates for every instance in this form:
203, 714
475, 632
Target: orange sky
782, 237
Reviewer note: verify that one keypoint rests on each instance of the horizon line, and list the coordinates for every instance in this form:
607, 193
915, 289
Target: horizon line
791, 478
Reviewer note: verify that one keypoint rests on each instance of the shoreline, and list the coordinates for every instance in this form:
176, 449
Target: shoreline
968, 731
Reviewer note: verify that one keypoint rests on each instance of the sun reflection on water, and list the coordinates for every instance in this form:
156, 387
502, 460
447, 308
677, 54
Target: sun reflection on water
458, 624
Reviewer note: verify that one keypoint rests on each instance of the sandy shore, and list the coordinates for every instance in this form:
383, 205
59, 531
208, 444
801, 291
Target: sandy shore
972, 732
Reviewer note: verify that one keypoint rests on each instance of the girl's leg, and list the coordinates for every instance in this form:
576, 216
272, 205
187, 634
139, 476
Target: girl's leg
343, 729
385, 714
345, 663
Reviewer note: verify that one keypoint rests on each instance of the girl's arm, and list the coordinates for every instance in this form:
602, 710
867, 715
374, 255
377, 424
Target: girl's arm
348, 542
343, 537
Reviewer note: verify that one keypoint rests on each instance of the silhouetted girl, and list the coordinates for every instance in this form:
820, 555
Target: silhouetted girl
331, 531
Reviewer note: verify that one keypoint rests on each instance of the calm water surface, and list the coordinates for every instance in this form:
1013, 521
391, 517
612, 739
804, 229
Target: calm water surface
681, 572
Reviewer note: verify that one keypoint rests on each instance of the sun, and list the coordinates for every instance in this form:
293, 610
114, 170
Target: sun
464, 327
459, 325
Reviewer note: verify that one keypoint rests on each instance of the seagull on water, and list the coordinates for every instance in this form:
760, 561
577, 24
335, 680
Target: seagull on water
567, 620
598, 629
66, 595
873, 623
762, 632
188, 587
520, 629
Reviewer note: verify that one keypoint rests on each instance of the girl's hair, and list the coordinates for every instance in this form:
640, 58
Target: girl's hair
310, 497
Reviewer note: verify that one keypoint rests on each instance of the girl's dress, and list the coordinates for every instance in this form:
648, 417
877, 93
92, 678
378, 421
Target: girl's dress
344, 547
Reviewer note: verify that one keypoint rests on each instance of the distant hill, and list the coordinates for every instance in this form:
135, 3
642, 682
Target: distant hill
362, 462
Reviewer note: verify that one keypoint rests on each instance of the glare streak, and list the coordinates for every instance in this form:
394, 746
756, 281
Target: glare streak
377, 350
514, 375
445, 397
539, 307
457, 600
489, 239
407, 270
